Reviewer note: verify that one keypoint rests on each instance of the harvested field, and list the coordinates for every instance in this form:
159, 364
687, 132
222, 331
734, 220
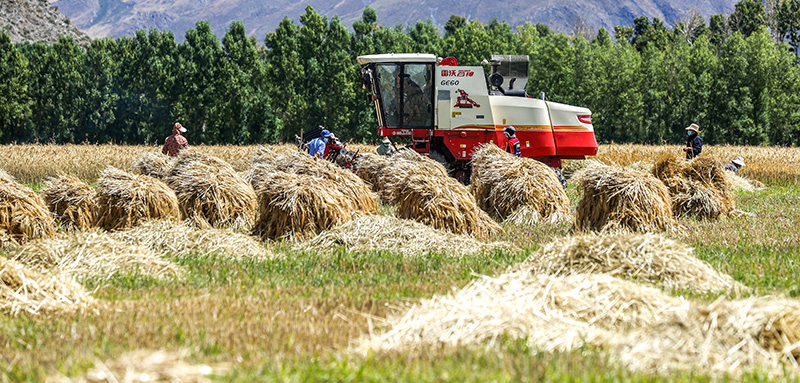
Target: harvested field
23, 214
697, 188
299, 206
526, 190
615, 198
72, 202
445, 204
643, 328
410, 238
23, 290
210, 192
174, 238
154, 164
649, 258
126, 200
83, 254
148, 366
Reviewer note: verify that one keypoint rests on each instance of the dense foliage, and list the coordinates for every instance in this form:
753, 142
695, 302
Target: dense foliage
736, 77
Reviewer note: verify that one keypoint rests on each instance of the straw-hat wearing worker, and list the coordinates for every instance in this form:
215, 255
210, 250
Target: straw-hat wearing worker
316, 147
512, 146
176, 142
385, 148
734, 165
694, 144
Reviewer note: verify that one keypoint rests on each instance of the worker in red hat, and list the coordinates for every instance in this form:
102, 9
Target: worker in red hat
175, 142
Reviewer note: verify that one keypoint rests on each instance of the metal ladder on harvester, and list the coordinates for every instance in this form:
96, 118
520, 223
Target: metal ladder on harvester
421, 138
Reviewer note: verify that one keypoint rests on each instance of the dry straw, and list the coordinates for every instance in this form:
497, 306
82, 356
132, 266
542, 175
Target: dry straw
393, 177
641, 327
23, 214
266, 162
83, 254
154, 164
382, 233
210, 192
125, 200
178, 239
649, 258
697, 187
149, 366
300, 206
522, 188
23, 290
616, 198
72, 202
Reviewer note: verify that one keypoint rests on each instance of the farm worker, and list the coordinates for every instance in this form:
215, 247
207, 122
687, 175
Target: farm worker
734, 165
512, 146
175, 142
316, 147
694, 144
333, 148
385, 148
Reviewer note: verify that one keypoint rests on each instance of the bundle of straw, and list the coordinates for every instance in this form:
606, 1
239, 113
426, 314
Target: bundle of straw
649, 258
300, 163
616, 198
71, 201
445, 204
174, 238
406, 237
154, 164
23, 214
84, 254
370, 168
300, 206
506, 185
402, 165
125, 200
210, 193
23, 290
697, 187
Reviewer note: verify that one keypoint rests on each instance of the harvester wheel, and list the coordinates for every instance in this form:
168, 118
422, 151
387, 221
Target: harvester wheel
440, 158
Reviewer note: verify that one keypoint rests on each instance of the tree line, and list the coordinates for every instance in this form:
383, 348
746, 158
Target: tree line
737, 77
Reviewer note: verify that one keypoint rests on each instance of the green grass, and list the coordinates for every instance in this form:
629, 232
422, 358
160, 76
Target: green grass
291, 319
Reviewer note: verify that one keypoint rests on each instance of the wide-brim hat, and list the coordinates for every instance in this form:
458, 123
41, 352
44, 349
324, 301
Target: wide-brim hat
182, 129
386, 140
693, 128
738, 161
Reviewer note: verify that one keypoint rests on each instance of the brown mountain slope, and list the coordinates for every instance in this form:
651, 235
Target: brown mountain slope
124, 17
36, 20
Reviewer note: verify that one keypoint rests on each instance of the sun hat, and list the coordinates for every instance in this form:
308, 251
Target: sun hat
325, 133
386, 140
693, 128
738, 161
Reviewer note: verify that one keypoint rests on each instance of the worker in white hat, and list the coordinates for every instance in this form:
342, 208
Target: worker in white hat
734, 165
694, 144
385, 148
176, 142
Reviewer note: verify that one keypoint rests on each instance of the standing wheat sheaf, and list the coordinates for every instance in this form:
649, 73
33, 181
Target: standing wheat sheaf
23, 214
125, 200
73, 202
697, 188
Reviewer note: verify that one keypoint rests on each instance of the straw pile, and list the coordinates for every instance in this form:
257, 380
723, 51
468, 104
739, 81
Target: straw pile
445, 204
649, 258
402, 236
92, 253
370, 167
298, 206
178, 239
616, 198
210, 192
641, 327
23, 290
23, 214
393, 177
71, 201
697, 187
506, 185
154, 164
149, 366
267, 162
737, 182
125, 200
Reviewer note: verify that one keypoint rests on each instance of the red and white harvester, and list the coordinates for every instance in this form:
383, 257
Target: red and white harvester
446, 110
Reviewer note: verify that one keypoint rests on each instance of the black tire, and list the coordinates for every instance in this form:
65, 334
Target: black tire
561, 178
440, 158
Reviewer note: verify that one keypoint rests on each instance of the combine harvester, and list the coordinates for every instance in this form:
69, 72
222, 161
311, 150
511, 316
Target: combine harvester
447, 110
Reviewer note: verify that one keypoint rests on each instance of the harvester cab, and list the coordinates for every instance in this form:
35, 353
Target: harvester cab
446, 110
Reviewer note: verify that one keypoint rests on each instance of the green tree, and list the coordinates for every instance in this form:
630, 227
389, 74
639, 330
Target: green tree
99, 115
15, 103
748, 17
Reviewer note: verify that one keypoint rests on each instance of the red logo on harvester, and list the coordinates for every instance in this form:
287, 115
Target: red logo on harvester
457, 73
464, 101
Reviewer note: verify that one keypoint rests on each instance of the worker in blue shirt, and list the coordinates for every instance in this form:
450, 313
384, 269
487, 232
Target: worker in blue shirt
694, 144
316, 147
